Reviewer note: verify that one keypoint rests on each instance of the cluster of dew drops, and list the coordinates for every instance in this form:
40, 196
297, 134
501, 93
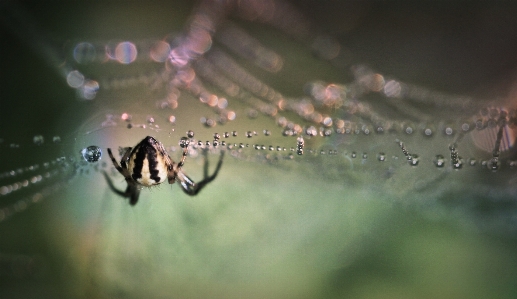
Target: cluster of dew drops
92, 154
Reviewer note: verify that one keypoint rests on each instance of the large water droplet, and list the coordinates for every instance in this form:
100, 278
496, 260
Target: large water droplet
92, 153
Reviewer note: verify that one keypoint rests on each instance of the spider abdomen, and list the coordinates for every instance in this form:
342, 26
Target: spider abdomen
148, 162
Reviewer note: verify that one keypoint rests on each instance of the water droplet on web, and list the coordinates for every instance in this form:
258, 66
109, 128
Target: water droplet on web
493, 164
439, 161
56, 139
92, 153
311, 131
455, 158
249, 134
414, 160
38, 140
190, 134
381, 156
184, 142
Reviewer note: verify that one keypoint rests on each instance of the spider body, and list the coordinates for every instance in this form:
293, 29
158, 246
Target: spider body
148, 164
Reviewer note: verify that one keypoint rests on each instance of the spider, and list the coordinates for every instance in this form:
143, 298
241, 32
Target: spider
148, 164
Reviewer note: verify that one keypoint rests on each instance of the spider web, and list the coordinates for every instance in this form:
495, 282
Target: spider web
330, 114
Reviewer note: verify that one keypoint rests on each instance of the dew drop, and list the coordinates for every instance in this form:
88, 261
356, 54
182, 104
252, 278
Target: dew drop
217, 136
249, 134
190, 134
439, 161
226, 134
414, 160
184, 142
56, 139
92, 153
472, 162
493, 164
458, 164
38, 140
234, 133
381, 157
353, 154
267, 132
311, 131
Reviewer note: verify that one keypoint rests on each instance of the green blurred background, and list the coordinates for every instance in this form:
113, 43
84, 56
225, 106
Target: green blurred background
307, 228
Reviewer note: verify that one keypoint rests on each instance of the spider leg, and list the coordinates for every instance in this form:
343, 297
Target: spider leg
190, 187
174, 170
183, 157
123, 169
125, 157
132, 191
